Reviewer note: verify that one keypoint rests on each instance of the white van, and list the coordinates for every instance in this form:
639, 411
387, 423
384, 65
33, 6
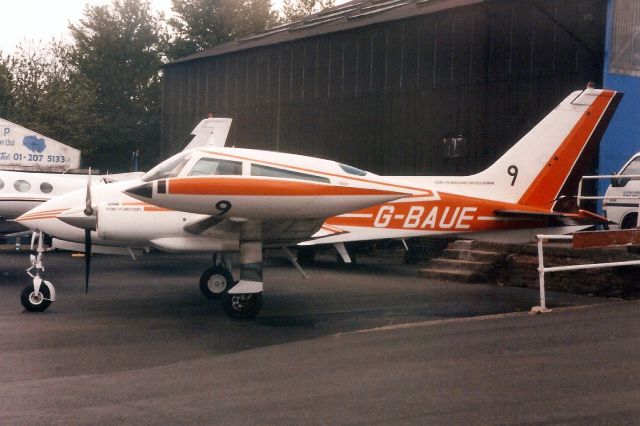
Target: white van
623, 196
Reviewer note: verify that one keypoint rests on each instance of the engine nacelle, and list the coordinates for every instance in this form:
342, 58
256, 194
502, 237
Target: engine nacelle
138, 222
196, 244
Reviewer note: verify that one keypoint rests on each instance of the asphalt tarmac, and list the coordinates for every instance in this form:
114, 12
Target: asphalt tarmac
366, 344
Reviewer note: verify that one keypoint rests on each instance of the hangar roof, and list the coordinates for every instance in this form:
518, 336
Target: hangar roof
357, 13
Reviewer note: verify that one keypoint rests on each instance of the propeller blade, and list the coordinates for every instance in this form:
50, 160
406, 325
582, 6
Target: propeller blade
87, 258
88, 209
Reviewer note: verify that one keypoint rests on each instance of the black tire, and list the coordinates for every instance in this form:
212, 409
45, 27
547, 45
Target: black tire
215, 281
629, 221
33, 302
242, 306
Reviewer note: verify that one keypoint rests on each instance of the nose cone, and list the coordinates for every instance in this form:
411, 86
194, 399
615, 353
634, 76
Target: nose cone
142, 192
38, 217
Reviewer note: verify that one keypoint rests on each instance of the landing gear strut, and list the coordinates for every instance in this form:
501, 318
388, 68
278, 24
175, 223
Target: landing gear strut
244, 300
38, 296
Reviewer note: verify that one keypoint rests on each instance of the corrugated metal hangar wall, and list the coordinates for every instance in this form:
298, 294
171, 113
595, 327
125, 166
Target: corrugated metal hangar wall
443, 91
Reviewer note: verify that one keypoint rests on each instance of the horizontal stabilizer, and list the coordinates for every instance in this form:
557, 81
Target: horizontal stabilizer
582, 216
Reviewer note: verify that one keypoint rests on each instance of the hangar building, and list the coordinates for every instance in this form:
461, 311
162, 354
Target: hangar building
622, 72
393, 86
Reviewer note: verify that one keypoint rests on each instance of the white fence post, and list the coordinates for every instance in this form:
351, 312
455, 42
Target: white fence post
543, 302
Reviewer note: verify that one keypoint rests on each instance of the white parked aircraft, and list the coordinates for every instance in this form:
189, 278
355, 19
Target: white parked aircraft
224, 200
22, 191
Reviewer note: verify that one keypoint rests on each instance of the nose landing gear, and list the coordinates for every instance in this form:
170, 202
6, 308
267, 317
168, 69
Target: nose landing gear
38, 296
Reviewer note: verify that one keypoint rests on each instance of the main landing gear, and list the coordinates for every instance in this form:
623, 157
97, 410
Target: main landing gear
215, 283
37, 296
241, 299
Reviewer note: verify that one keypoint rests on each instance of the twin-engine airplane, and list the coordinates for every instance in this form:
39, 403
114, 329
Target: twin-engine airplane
224, 200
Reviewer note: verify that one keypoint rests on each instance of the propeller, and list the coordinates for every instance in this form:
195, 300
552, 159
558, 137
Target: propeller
88, 211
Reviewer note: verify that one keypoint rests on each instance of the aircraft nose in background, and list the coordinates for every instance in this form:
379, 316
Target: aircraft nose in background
35, 217
142, 191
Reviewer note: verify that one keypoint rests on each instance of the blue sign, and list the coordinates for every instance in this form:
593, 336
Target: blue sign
34, 144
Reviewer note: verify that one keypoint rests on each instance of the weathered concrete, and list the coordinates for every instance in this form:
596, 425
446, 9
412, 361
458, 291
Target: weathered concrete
144, 347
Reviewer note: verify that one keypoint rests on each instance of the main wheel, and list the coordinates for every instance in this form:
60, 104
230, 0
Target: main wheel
242, 306
35, 302
215, 281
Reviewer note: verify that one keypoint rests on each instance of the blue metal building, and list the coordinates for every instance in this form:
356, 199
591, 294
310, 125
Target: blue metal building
621, 72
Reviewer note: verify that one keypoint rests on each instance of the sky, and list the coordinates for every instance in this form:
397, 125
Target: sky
24, 20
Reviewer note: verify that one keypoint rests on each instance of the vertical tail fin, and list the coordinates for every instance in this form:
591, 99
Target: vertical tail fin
538, 168
211, 132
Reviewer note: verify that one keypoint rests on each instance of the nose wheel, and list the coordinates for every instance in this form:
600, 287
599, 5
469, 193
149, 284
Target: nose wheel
38, 296
35, 301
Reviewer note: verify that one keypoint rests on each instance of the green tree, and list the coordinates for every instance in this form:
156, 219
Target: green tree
5, 87
201, 24
116, 58
43, 92
293, 10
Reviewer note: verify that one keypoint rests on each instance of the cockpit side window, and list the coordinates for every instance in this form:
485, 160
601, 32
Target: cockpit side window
260, 170
1, 184
215, 166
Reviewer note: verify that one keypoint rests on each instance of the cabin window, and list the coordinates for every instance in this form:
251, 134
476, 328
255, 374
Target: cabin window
1, 184
46, 187
214, 166
266, 171
22, 185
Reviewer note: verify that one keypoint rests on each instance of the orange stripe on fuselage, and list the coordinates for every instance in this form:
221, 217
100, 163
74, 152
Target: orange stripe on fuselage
263, 187
544, 189
451, 212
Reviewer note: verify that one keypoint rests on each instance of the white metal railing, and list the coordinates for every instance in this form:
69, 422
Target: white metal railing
543, 270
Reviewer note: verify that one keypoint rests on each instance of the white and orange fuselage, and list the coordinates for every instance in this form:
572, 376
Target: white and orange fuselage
202, 195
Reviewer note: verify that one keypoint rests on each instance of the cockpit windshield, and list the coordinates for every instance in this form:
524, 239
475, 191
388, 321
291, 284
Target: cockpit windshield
168, 168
